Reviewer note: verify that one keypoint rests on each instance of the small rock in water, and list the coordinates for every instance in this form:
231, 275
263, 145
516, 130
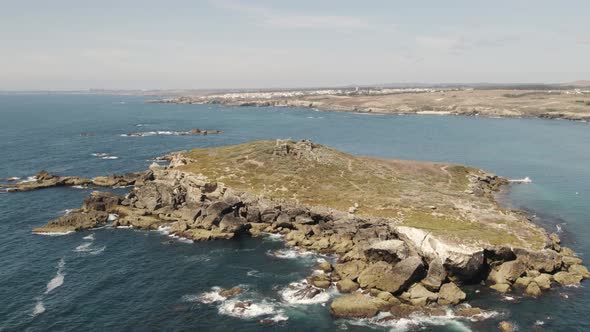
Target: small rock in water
506, 327
230, 292
307, 293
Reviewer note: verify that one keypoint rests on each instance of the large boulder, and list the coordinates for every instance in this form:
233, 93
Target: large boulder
508, 272
579, 269
350, 270
460, 260
383, 276
567, 278
419, 295
543, 281
391, 251
101, 201
435, 276
502, 288
214, 213
533, 289
450, 294
546, 260
320, 280
148, 197
232, 224
356, 305
347, 286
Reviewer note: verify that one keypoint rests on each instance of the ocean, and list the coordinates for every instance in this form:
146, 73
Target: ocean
129, 280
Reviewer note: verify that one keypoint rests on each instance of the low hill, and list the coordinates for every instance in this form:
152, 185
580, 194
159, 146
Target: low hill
451, 201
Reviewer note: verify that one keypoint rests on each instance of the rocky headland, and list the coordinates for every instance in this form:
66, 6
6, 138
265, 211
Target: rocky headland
405, 236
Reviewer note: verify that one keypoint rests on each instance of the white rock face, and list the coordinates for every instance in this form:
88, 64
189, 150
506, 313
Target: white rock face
463, 260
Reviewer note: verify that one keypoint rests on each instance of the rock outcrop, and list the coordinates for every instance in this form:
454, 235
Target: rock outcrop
43, 179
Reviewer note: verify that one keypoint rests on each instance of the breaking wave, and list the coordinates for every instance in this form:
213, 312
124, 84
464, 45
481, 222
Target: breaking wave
289, 253
247, 309
289, 294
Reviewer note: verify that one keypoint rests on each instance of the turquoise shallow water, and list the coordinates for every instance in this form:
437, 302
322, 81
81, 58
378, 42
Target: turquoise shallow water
133, 280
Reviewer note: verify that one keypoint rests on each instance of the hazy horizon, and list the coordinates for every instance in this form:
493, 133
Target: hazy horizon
232, 44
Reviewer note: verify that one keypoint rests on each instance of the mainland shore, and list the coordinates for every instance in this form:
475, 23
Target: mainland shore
569, 104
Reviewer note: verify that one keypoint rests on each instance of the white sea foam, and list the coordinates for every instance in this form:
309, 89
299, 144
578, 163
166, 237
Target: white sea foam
89, 237
289, 253
97, 251
249, 309
180, 238
98, 154
288, 294
539, 323
206, 297
110, 157
253, 273
38, 309
80, 187
164, 230
279, 318
29, 179
54, 233
559, 230
84, 247
125, 227
14, 178
273, 237
414, 322
58, 280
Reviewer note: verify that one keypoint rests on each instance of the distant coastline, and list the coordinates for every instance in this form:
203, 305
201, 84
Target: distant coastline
570, 104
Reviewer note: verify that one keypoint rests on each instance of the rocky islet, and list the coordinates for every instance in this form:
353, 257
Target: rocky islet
381, 264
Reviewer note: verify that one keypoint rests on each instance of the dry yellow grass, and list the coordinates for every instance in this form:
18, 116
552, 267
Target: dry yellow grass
432, 196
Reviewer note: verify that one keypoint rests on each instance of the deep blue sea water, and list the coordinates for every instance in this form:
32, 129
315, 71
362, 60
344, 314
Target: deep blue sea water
121, 280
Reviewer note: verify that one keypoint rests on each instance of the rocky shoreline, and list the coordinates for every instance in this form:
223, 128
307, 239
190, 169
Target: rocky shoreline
381, 265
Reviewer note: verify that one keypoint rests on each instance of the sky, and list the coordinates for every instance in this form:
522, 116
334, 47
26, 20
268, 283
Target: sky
209, 44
